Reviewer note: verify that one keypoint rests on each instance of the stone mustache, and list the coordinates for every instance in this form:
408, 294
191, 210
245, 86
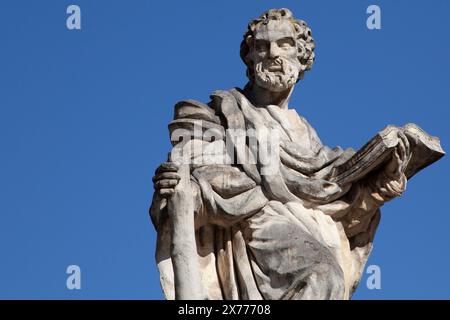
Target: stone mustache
297, 224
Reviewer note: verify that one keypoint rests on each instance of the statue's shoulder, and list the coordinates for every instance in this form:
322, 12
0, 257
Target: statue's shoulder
211, 111
227, 102
195, 110
191, 114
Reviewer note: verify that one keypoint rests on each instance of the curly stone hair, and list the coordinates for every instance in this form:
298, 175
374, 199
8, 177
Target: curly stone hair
304, 41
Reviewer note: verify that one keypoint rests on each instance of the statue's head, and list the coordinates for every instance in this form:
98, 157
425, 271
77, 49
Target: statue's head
277, 50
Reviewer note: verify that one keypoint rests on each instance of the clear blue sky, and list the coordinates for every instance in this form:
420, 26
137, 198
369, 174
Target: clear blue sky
84, 120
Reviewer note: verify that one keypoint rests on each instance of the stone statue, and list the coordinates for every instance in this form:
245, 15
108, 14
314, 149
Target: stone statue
251, 205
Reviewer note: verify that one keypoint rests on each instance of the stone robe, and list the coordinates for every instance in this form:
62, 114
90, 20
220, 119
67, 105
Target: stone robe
291, 234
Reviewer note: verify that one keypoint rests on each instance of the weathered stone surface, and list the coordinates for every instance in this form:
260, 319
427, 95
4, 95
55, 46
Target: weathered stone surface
252, 205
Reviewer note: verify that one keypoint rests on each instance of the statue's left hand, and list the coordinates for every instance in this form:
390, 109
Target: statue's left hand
392, 180
395, 168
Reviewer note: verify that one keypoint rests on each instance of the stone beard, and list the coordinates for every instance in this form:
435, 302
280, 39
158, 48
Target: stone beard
278, 75
303, 231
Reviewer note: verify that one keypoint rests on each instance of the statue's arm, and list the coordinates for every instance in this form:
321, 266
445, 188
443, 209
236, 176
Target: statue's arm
223, 194
367, 195
187, 113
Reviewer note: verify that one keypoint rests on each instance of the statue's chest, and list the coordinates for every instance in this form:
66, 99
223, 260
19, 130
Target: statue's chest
284, 124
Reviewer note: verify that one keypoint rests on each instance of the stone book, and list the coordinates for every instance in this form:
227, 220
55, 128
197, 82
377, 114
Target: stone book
425, 150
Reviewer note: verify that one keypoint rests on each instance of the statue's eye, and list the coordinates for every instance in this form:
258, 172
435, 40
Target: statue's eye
286, 43
261, 45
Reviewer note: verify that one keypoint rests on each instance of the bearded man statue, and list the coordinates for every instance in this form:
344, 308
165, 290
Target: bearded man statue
259, 208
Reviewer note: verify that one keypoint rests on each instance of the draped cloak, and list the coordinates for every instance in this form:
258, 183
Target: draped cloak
290, 234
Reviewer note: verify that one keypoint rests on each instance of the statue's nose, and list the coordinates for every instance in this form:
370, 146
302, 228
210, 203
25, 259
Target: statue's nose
274, 51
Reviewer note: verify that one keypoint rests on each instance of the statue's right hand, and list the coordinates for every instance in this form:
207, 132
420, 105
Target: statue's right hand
166, 179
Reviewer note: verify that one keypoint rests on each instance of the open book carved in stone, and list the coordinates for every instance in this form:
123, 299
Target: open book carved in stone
425, 150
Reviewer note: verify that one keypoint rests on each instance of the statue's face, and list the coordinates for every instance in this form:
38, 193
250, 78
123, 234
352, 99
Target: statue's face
274, 54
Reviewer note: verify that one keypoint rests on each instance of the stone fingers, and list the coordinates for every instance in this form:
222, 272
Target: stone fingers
166, 183
166, 176
166, 167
